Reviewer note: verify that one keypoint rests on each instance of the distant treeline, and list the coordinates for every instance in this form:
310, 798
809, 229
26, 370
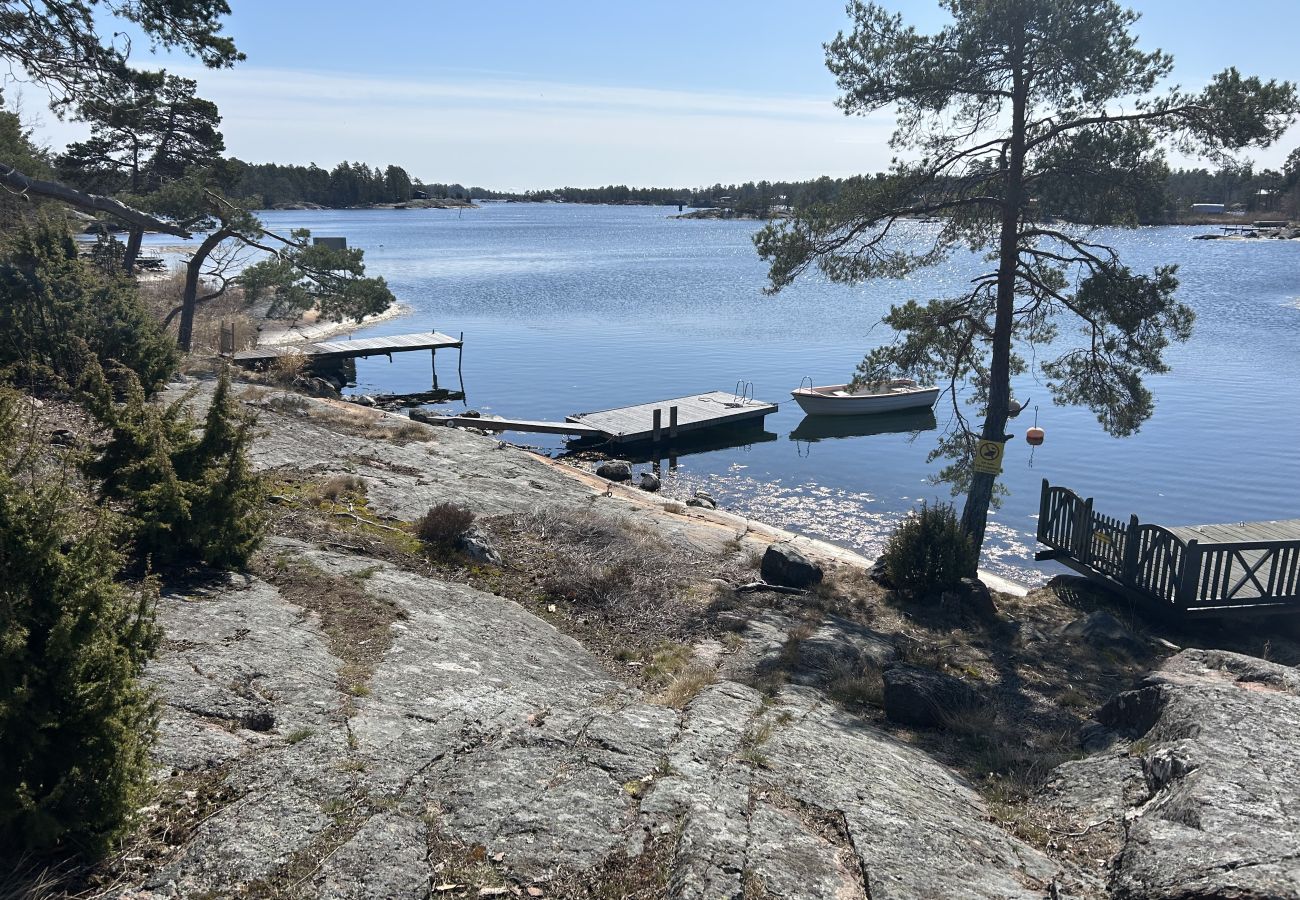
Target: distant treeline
348, 184
357, 184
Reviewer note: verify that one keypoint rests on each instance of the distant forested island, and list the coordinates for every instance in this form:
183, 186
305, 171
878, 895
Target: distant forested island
353, 184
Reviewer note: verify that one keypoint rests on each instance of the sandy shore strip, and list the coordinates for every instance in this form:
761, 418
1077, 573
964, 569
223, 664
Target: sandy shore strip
274, 333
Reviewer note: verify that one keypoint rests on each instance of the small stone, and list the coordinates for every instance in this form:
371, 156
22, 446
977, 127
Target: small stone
1095, 737
1101, 629
614, 471
707, 498
63, 437
977, 597
917, 696
258, 720
702, 503
880, 575
471, 414
784, 565
478, 546
649, 482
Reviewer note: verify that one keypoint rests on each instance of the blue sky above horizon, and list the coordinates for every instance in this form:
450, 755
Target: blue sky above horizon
514, 95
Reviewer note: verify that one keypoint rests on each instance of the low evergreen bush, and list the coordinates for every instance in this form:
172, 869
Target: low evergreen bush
57, 314
929, 553
191, 496
75, 720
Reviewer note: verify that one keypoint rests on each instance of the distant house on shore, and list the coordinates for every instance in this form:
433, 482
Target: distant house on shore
1209, 208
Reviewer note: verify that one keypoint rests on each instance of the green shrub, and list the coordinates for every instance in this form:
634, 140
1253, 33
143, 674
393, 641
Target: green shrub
444, 524
75, 720
58, 314
929, 553
189, 496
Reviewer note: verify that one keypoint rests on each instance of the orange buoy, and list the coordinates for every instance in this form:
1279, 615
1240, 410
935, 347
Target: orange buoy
1034, 436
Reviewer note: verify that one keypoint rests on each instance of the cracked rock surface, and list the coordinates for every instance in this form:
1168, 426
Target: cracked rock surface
485, 726
1220, 816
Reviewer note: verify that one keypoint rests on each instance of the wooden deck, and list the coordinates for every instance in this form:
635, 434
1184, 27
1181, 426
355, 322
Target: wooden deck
680, 418
323, 351
666, 419
1221, 570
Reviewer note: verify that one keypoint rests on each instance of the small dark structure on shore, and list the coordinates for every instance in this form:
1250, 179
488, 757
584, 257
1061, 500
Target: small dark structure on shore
1247, 568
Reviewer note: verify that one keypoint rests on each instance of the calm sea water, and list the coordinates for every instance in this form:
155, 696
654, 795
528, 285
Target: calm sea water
576, 308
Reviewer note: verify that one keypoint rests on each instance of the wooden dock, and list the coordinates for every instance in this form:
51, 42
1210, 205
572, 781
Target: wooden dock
1194, 570
665, 420
329, 351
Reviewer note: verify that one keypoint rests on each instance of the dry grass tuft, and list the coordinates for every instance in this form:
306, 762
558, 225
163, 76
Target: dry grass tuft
686, 686
287, 367
340, 487
444, 524
609, 568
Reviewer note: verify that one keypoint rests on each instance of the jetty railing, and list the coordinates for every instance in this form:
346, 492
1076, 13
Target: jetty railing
1186, 575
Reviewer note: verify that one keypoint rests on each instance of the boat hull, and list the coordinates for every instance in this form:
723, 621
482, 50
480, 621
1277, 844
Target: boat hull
815, 404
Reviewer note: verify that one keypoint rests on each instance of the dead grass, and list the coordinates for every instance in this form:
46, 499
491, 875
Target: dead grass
686, 686
603, 567
341, 487
287, 367
356, 623
162, 295
444, 525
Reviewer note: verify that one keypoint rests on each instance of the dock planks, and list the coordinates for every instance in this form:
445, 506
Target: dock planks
530, 425
630, 424
351, 349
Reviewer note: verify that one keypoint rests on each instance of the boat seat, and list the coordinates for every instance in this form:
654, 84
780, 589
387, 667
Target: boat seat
841, 394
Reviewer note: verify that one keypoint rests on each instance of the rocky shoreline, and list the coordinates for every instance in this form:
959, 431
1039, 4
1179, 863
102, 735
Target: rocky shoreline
619, 706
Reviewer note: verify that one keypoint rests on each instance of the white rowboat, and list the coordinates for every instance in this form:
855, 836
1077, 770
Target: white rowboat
865, 399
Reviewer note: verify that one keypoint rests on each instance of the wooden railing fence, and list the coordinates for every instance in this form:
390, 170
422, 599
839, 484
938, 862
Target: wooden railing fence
1187, 575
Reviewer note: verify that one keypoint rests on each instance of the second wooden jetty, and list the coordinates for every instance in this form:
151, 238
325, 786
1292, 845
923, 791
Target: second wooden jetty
663, 420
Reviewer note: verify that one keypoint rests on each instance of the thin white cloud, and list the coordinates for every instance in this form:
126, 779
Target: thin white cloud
512, 133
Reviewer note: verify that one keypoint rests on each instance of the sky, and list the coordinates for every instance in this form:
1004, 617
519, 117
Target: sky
516, 95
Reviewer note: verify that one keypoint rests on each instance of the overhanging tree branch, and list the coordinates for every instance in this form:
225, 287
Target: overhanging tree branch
23, 184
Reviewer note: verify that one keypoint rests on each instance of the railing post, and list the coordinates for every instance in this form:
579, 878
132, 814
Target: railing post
1083, 532
1042, 513
1132, 542
1191, 574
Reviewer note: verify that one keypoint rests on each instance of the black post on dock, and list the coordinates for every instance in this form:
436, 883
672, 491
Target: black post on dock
657, 425
672, 423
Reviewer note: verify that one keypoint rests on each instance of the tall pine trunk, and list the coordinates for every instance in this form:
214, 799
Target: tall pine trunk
133, 240
190, 299
979, 497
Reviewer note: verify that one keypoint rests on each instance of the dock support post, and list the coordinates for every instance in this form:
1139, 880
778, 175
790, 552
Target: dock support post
434, 353
657, 427
672, 423
460, 362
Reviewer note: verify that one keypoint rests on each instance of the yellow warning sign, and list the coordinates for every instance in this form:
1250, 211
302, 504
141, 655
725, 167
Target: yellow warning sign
988, 457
